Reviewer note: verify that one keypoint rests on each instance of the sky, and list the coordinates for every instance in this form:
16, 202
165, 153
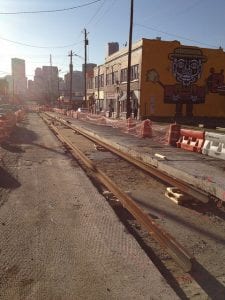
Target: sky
35, 36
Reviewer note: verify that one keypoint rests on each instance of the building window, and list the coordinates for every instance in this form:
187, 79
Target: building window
99, 81
90, 83
134, 72
109, 79
123, 75
114, 77
102, 80
96, 82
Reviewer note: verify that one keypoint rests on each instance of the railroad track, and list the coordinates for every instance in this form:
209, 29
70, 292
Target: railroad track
181, 185
175, 250
167, 242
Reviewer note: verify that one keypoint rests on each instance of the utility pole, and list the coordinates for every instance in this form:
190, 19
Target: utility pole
71, 54
98, 106
129, 59
51, 92
85, 65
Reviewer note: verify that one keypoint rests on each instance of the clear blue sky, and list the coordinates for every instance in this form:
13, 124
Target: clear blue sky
201, 22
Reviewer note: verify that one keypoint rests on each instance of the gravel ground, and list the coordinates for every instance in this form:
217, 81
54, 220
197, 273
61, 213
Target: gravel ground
198, 227
60, 239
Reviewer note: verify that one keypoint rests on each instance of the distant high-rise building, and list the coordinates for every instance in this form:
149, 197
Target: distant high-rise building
77, 83
46, 84
18, 68
19, 80
89, 68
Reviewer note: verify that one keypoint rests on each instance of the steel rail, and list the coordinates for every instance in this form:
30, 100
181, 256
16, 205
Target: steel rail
183, 186
174, 248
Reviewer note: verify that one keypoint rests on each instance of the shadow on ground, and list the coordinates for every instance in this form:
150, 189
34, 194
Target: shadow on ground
7, 181
11, 147
213, 288
22, 135
125, 217
180, 221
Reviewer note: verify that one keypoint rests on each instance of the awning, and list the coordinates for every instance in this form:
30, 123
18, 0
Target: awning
133, 96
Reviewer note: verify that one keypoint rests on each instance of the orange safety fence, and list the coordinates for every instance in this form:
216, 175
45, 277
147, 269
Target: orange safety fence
143, 129
7, 124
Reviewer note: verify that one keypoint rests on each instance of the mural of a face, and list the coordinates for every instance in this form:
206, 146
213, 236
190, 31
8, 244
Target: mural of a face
187, 64
187, 71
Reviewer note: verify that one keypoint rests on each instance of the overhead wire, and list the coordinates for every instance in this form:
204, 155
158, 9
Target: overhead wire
35, 46
175, 35
52, 47
96, 12
106, 11
4, 72
49, 11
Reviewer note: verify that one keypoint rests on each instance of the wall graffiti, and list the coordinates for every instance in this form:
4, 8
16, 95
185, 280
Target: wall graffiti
215, 82
187, 65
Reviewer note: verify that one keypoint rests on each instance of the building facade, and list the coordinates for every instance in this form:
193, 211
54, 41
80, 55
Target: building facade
109, 81
18, 88
45, 86
182, 81
77, 83
168, 80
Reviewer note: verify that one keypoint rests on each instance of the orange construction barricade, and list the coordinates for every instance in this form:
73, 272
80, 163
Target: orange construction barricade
191, 140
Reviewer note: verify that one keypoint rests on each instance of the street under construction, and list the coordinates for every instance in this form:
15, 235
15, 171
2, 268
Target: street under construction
84, 217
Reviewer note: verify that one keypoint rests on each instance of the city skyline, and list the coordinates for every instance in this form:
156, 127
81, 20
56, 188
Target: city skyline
25, 36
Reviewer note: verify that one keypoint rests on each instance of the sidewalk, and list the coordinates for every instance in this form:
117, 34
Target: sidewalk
203, 172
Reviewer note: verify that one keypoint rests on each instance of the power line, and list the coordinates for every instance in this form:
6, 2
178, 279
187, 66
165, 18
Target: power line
175, 35
34, 46
48, 11
4, 72
95, 14
105, 12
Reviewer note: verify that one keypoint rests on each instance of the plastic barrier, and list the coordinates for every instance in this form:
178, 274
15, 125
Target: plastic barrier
146, 129
174, 134
191, 140
214, 145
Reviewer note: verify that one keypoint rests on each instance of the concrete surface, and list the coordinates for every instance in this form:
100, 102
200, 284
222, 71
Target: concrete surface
59, 237
203, 172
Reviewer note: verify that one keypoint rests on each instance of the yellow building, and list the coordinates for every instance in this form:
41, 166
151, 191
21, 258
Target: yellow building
168, 80
179, 80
